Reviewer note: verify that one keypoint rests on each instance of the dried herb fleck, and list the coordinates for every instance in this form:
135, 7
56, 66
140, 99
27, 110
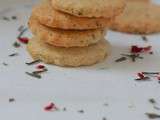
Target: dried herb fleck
5, 64
64, 109
104, 118
144, 38
34, 75
152, 101
12, 55
105, 104
6, 18
81, 111
133, 57
21, 28
11, 100
22, 32
151, 53
40, 71
135, 52
37, 73
152, 115
16, 44
33, 62
157, 108
150, 73
14, 17
121, 59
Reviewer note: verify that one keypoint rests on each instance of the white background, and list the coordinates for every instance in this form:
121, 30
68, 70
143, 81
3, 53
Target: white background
86, 88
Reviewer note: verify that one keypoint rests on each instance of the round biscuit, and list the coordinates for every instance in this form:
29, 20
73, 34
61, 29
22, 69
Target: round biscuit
138, 18
71, 57
65, 38
56, 19
90, 8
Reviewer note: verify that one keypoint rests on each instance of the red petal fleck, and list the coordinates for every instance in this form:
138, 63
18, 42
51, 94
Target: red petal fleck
50, 107
24, 40
136, 49
141, 75
147, 49
40, 67
158, 77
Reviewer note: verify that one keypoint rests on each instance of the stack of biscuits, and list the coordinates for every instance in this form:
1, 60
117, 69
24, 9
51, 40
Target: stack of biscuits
71, 32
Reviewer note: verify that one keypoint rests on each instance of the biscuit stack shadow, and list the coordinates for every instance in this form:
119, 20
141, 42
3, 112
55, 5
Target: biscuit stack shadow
64, 39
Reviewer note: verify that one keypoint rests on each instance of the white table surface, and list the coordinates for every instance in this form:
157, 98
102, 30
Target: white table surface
86, 88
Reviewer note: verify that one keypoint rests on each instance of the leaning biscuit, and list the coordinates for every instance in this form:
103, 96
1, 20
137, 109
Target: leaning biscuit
56, 19
139, 18
72, 57
65, 38
90, 8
